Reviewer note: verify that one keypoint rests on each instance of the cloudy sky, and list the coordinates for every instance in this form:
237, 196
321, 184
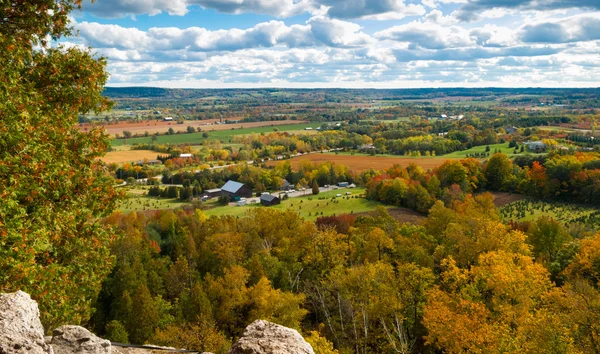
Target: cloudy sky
344, 43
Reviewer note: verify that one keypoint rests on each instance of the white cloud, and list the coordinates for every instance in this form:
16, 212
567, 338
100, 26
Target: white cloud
318, 31
341, 9
427, 35
578, 28
526, 47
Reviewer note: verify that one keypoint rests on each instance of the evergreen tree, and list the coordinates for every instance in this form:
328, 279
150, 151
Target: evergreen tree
315, 188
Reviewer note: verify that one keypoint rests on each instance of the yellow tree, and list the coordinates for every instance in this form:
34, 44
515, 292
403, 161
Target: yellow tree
495, 307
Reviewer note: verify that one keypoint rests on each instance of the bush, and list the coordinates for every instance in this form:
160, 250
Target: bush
116, 332
224, 200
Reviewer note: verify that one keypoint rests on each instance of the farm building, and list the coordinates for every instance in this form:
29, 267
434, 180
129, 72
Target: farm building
168, 119
343, 184
268, 200
236, 190
536, 146
185, 155
212, 193
510, 130
148, 162
286, 186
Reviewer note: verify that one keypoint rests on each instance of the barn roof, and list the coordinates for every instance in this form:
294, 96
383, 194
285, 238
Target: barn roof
268, 197
232, 186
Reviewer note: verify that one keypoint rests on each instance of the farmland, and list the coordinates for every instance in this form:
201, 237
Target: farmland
128, 156
137, 200
566, 213
480, 149
358, 163
159, 126
222, 135
310, 207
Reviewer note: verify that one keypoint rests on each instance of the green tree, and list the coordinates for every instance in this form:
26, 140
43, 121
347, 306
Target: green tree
498, 172
52, 186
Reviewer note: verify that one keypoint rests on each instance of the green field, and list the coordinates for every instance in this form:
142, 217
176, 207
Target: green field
530, 210
479, 149
224, 136
310, 207
137, 200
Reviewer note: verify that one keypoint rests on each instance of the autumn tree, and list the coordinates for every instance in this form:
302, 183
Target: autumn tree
52, 186
497, 306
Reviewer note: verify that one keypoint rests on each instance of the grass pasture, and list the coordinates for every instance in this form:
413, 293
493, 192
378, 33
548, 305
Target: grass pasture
309, 207
224, 136
480, 149
566, 213
138, 200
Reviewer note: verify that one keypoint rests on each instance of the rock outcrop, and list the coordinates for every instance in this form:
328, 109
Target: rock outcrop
21, 332
20, 328
263, 337
78, 340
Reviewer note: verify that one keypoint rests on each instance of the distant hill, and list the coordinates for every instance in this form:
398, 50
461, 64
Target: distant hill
385, 94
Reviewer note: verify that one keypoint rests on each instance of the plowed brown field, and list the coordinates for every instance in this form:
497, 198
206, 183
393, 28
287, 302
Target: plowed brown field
361, 163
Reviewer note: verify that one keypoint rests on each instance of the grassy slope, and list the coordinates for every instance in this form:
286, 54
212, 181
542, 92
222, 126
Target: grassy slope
463, 154
137, 200
530, 210
222, 135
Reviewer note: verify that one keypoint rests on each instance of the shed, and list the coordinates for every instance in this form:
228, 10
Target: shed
235, 190
168, 119
212, 193
268, 200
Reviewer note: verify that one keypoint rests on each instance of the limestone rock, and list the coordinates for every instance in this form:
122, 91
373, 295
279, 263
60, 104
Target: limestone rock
20, 328
78, 340
263, 337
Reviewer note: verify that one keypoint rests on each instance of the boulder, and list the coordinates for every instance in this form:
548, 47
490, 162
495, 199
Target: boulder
20, 328
263, 337
78, 340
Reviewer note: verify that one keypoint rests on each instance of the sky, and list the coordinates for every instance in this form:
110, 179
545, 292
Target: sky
344, 43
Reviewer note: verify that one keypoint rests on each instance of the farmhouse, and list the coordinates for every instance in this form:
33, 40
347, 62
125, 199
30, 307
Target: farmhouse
212, 193
268, 200
536, 146
286, 186
236, 190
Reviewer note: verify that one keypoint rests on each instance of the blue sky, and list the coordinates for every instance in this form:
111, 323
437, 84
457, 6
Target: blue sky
344, 43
